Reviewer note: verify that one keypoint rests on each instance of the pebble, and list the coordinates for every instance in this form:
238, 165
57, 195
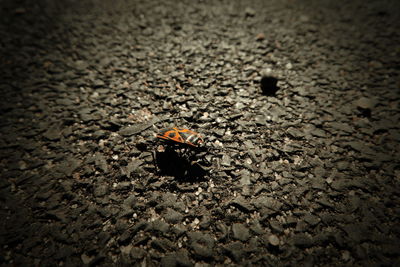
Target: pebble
52, 134
235, 250
240, 232
249, 11
365, 103
276, 226
135, 129
273, 240
202, 245
302, 240
172, 216
312, 219
101, 190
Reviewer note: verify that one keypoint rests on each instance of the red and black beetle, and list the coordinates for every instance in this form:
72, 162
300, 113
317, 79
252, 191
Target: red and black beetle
181, 136
182, 154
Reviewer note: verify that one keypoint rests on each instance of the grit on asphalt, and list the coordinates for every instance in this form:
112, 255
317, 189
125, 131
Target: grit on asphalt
302, 172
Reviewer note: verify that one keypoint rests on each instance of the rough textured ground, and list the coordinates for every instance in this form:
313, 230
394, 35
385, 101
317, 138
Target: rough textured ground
310, 176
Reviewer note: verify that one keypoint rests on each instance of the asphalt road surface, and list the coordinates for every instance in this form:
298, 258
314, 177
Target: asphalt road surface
298, 104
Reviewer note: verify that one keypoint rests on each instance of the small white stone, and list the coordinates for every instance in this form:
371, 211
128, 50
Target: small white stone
196, 221
219, 120
273, 240
205, 115
95, 95
101, 143
218, 143
126, 250
199, 190
346, 255
22, 165
249, 161
86, 259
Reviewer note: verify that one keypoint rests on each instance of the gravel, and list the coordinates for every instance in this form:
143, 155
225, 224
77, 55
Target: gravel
298, 104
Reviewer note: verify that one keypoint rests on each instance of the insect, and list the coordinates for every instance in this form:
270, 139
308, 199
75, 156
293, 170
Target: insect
181, 136
183, 154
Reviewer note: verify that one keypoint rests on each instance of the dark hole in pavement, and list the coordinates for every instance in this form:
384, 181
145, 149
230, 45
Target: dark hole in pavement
269, 85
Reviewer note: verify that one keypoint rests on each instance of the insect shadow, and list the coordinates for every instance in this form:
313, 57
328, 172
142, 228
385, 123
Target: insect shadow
180, 165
